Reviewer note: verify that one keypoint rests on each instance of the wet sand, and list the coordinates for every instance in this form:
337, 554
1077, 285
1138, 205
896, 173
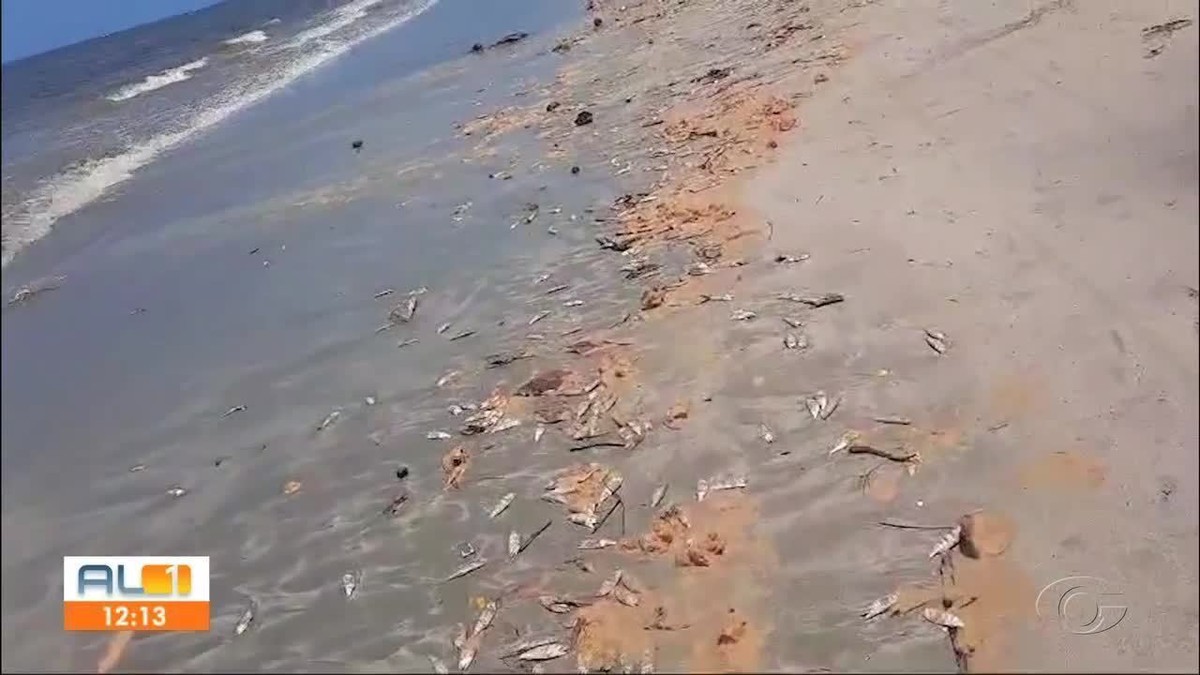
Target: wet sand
939, 180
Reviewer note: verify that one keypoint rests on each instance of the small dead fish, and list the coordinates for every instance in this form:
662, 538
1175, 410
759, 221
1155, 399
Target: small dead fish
936, 340
743, 315
560, 604
541, 278
505, 424
176, 491
572, 303
486, 616
594, 544
555, 289
456, 410
793, 323
846, 440
734, 483
625, 596
438, 435
465, 569
545, 652
715, 298
816, 301
587, 520
350, 582
537, 433
444, 327
947, 542
609, 584
942, 618
880, 606
247, 617
794, 341
447, 378
370, 400
765, 433
460, 336
552, 230
437, 665
701, 489
535, 336
902, 421
514, 543
816, 404
393, 507
234, 409
789, 258
503, 504
137, 467
329, 420
384, 293
538, 317
406, 313
407, 342
657, 496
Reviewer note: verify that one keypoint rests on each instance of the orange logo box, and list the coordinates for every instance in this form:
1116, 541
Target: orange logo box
136, 593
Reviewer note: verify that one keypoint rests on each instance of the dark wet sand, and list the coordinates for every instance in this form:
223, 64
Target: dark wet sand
822, 137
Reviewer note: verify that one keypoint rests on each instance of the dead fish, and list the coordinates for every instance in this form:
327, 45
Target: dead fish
587, 520
535, 336
514, 543
555, 289
466, 653
701, 489
545, 652
538, 317
765, 433
137, 467
537, 433
552, 230
816, 404
594, 544
698, 269
247, 617
329, 420
902, 421
880, 606
657, 496
465, 569
438, 435
234, 409
393, 508
447, 378
572, 303
846, 440
384, 293
526, 645
560, 604
541, 278
444, 327
625, 596
437, 665
369, 400
505, 424
714, 298
794, 323
743, 315
794, 341
460, 336
609, 584
176, 491
789, 258
947, 542
936, 340
407, 342
503, 504
404, 314
350, 581
465, 549
816, 301
942, 618
26, 292
486, 616
733, 483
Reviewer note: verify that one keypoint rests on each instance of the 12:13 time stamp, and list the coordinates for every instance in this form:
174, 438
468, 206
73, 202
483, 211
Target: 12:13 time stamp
136, 616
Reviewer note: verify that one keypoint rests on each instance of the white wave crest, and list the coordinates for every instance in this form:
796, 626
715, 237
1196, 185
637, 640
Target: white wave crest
71, 190
342, 17
157, 81
252, 38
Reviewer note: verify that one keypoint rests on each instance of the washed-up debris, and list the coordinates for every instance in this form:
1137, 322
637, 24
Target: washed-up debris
176, 491
27, 292
596, 544
466, 569
607, 242
659, 622
444, 327
465, 549
544, 382
814, 301
503, 504
556, 289
463, 334
234, 409
700, 554
936, 340
561, 604
845, 441
582, 489
947, 542
401, 472
821, 406
880, 606
706, 487
583, 118
448, 378
653, 297
793, 323
892, 419
468, 642
538, 432
545, 652
788, 258
393, 508
765, 433
384, 293
705, 298
356, 145
942, 618
246, 618
743, 315
795, 341
902, 457
404, 313
292, 487
454, 466
438, 435
437, 665
538, 317
407, 341
329, 420
531, 538
675, 414
350, 582
610, 583
659, 493
713, 75
510, 39
638, 268
1165, 29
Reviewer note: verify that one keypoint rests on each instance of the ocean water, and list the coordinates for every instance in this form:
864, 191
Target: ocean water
221, 246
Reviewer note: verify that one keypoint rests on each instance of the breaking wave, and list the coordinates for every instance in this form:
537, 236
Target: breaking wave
252, 38
157, 81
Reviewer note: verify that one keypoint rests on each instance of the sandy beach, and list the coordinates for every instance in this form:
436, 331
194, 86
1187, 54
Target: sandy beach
805, 306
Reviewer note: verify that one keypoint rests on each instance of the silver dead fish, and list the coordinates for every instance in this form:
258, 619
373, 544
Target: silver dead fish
947, 542
790, 258
704, 297
545, 652
406, 342
234, 409
880, 605
936, 340
505, 424
350, 582
514, 543
765, 433
942, 618
486, 616
793, 323
525, 645
791, 341
743, 315
438, 435
329, 420
594, 544
609, 584
732, 483
588, 520
538, 432
462, 335
437, 665
465, 569
538, 317
846, 440
572, 303
625, 596
503, 504
821, 406
176, 491
701, 489
561, 604
444, 327
657, 496
404, 314
247, 617
447, 378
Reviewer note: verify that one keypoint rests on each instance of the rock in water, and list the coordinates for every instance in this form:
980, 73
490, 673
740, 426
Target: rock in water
583, 118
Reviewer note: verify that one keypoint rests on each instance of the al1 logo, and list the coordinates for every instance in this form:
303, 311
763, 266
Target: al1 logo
140, 593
